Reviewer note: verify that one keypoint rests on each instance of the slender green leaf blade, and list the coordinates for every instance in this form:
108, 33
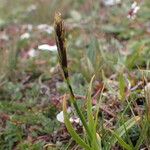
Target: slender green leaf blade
121, 131
71, 130
121, 141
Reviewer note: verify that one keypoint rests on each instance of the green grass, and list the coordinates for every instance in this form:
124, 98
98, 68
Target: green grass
101, 42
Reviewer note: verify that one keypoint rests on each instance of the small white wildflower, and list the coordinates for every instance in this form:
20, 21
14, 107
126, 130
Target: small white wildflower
47, 47
133, 11
75, 119
134, 4
31, 8
25, 36
32, 53
29, 27
147, 96
45, 28
111, 2
60, 116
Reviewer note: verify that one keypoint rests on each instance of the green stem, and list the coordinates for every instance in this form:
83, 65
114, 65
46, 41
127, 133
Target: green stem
80, 114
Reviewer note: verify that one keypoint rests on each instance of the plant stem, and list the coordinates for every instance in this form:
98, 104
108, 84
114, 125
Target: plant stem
80, 114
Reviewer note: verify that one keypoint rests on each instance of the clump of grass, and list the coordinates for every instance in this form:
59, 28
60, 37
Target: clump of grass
92, 140
61, 45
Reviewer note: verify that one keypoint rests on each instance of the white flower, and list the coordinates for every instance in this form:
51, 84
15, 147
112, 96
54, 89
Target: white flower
31, 8
75, 119
32, 53
25, 36
133, 11
134, 4
30, 27
135, 7
45, 28
60, 116
111, 2
47, 47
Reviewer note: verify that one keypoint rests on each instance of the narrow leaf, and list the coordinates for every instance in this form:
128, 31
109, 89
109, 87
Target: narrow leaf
70, 128
121, 141
121, 131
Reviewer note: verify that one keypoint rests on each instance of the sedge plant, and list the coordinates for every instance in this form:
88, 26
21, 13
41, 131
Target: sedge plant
93, 139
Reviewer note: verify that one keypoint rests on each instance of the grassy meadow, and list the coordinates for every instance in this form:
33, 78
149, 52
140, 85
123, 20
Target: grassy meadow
75, 81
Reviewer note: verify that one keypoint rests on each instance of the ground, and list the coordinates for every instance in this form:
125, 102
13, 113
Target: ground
102, 40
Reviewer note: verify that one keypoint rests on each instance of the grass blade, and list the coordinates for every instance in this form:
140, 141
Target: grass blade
89, 107
121, 141
71, 130
91, 122
121, 131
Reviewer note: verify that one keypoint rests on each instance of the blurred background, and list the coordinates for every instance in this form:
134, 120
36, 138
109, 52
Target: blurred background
105, 22
113, 35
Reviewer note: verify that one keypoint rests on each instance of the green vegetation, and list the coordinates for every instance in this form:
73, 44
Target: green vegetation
98, 76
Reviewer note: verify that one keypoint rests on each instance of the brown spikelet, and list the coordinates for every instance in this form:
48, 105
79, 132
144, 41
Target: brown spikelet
60, 42
61, 45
